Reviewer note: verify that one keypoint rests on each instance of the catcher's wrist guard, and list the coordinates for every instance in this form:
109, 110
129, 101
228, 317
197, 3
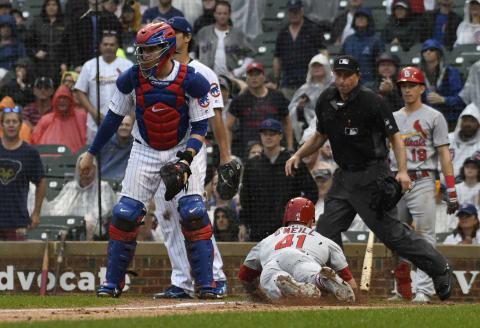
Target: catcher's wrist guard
186, 156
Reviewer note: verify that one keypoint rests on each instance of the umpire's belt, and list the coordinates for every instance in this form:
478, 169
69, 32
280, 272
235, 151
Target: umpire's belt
360, 166
417, 175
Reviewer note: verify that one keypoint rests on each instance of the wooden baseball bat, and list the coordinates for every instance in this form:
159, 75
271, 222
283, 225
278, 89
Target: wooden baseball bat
63, 236
367, 264
44, 278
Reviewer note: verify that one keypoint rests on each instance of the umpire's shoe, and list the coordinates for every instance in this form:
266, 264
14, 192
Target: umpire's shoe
444, 283
173, 292
109, 290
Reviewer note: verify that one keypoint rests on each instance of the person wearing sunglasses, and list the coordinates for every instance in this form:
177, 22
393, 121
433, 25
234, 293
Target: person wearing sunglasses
20, 164
25, 132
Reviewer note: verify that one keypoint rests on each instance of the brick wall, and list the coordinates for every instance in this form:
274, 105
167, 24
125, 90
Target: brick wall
20, 264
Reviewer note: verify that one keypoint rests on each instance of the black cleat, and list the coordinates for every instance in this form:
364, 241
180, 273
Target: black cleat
444, 283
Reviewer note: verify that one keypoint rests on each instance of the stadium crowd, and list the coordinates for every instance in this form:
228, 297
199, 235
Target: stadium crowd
273, 61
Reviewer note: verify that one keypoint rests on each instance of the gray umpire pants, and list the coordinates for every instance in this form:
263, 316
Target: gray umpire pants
351, 193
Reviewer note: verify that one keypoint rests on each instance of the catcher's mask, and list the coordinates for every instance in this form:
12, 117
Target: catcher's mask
155, 44
299, 209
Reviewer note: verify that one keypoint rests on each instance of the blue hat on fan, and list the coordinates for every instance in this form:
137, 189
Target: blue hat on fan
468, 209
272, 125
180, 24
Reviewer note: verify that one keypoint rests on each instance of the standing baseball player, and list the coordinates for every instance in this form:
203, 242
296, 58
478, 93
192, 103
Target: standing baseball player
296, 260
181, 282
171, 122
425, 134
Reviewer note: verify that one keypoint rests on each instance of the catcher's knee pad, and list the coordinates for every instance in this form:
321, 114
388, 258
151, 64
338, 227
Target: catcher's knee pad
194, 218
127, 216
197, 230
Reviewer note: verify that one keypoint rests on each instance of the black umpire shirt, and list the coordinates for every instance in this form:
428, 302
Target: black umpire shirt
357, 128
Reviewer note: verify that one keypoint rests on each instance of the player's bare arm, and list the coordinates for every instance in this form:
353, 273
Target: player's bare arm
287, 127
221, 136
401, 157
309, 147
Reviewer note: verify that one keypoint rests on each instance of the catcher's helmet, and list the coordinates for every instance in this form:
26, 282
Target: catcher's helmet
411, 74
154, 34
299, 209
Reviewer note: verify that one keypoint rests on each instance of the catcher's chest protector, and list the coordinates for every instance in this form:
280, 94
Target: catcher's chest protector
163, 119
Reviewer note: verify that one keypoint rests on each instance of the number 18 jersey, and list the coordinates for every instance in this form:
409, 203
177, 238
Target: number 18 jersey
301, 238
422, 132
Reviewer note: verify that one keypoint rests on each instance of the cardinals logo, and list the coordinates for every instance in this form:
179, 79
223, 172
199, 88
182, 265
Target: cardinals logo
9, 170
419, 129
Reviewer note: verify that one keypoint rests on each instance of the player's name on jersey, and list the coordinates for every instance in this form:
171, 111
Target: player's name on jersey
295, 229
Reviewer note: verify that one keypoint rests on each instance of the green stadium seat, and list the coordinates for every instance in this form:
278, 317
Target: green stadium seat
442, 236
54, 186
74, 225
334, 49
60, 167
356, 236
380, 18
53, 150
375, 4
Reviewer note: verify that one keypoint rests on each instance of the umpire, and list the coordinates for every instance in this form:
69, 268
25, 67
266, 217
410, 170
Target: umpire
358, 122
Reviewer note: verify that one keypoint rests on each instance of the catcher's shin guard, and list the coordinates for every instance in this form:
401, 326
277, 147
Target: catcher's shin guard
127, 216
197, 230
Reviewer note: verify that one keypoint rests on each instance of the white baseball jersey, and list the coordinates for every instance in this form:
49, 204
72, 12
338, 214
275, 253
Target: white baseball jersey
422, 132
296, 251
169, 218
301, 238
87, 82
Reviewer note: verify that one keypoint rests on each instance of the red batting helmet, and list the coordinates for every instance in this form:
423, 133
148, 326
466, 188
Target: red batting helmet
155, 34
299, 209
411, 74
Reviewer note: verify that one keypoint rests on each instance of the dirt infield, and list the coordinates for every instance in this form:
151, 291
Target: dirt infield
149, 307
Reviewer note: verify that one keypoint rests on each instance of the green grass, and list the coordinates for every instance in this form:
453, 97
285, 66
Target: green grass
64, 301
409, 317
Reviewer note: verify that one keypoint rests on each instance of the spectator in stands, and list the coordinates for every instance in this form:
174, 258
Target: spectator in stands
43, 91
385, 83
80, 198
69, 79
115, 154
21, 28
207, 16
302, 106
81, 34
255, 148
221, 46
11, 49
465, 140
401, 28
253, 107
45, 41
442, 81
440, 24
111, 67
342, 26
468, 228
111, 5
471, 89
76, 8
364, 45
296, 44
66, 125
5, 7
468, 30
20, 88
25, 131
19, 164
164, 10
131, 19
265, 187
322, 173
468, 190
225, 226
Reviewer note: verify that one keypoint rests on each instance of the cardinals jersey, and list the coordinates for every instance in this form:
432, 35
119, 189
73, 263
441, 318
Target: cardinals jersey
301, 238
422, 132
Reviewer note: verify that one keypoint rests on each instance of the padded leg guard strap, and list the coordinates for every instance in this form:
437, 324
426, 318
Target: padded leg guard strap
197, 230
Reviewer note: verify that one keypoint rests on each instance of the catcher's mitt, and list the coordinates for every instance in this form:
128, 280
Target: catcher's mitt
387, 195
229, 179
173, 175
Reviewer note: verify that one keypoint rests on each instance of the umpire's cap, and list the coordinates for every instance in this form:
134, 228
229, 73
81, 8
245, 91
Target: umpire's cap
346, 63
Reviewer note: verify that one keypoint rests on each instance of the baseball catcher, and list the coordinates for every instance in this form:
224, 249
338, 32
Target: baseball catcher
298, 261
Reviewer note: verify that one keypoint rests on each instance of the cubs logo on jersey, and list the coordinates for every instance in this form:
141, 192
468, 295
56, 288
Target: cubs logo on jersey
214, 90
204, 102
9, 170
